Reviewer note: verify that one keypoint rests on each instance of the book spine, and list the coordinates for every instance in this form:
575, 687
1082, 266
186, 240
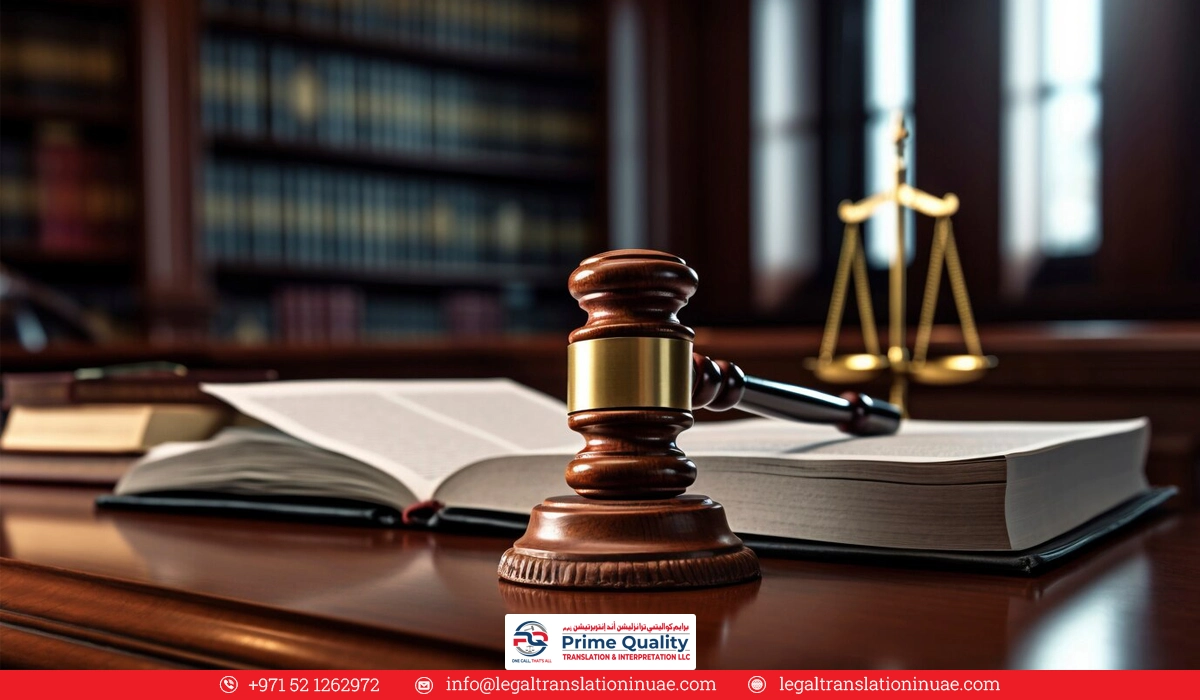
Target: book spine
131, 391
210, 116
59, 164
343, 233
310, 218
281, 67
274, 214
368, 211
18, 196
290, 216
210, 208
328, 249
18, 392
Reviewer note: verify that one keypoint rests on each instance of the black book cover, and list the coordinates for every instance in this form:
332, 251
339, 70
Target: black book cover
1028, 562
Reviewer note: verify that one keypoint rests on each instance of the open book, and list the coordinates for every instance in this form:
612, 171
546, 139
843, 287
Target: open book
382, 448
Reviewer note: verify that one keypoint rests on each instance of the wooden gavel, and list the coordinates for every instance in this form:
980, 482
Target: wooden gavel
632, 383
720, 385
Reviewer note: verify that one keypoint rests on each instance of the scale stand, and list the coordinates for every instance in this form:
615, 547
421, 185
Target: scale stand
903, 366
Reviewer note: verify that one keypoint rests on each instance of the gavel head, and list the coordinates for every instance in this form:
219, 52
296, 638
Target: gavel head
633, 293
630, 375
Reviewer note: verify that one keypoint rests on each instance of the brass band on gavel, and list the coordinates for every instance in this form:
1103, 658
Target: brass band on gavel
629, 373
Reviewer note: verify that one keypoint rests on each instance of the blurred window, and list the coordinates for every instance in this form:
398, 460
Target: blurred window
1051, 150
889, 90
786, 68
786, 146
627, 145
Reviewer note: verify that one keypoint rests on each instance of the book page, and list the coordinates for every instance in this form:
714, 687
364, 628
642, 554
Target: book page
916, 442
418, 431
422, 431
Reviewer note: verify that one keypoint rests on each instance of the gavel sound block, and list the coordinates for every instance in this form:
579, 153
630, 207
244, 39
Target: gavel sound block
633, 381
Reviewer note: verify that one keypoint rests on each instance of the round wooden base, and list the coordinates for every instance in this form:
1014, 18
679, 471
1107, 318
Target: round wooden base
681, 542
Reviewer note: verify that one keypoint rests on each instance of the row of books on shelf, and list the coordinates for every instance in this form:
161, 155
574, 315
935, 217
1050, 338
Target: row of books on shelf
517, 28
44, 56
253, 90
312, 217
60, 194
337, 314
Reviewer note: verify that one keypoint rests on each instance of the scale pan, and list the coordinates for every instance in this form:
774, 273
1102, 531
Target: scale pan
850, 369
952, 369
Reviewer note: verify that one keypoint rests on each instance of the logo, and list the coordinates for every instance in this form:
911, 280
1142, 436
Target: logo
757, 684
531, 638
424, 685
228, 684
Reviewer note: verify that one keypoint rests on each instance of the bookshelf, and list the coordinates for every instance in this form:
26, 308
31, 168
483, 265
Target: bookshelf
473, 276
417, 168
378, 170
545, 172
25, 110
410, 48
70, 218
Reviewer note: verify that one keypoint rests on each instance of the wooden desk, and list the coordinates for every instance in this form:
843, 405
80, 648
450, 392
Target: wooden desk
87, 588
1052, 371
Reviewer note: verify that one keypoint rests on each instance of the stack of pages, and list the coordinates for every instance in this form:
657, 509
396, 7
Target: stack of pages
484, 452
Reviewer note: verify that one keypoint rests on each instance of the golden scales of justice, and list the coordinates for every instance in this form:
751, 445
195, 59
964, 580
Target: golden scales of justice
861, 367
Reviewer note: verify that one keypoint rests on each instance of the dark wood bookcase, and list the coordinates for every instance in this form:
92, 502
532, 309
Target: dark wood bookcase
70, 144
698, 140
465, 263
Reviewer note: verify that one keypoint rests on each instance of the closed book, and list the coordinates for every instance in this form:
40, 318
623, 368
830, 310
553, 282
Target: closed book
68, 388
109, 428
91, 469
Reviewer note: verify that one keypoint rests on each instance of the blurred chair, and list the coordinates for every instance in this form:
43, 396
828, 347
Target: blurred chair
33, 315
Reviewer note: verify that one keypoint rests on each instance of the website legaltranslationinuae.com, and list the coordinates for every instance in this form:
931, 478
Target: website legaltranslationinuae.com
487, 685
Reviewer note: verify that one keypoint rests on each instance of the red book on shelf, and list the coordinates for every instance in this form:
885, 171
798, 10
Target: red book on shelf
345, 314
310, 315
286, 315
58, 163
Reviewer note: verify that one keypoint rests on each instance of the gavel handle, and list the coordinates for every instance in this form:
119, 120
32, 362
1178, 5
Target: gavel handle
720, 385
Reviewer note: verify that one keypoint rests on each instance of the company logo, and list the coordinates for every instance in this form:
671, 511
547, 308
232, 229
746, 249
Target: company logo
531, 638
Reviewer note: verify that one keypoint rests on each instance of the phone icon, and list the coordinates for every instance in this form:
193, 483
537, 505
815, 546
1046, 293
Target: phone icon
228, 684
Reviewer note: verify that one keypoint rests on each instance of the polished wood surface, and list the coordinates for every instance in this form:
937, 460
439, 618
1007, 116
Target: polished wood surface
82, 587
1098, 370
